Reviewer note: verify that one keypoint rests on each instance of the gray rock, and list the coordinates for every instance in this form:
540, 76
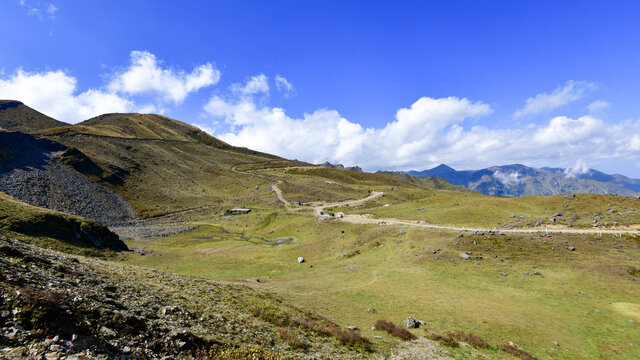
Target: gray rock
464, 256
460, 235
411, 323
502, 274
352, 328
301, 260
401, 232
108, 332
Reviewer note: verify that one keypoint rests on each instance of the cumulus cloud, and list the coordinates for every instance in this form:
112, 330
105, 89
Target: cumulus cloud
511, 178
145, 75
56, 93
579, 168
571, 91
428, 132
284, 86
326, 135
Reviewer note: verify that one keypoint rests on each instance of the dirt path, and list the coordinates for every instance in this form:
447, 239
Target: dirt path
278, 192
368, 219
364, 219
320, 208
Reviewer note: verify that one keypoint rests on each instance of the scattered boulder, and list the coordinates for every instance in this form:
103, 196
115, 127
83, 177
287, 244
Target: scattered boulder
108, 332
465, 256
412, 323
301, 260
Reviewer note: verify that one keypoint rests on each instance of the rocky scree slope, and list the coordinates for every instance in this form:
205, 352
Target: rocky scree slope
57, 306
40, 172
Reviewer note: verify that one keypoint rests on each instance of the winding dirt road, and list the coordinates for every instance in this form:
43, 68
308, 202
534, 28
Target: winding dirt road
368, 219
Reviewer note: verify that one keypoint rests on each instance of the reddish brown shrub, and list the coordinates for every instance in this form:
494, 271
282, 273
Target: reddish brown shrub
291, 339
394, 330
350, 338
470, 339
516, 352
444, 339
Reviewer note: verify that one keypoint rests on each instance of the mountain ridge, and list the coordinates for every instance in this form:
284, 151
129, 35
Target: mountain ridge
522, 180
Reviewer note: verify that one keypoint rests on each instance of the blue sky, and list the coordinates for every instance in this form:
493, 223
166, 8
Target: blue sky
384, 85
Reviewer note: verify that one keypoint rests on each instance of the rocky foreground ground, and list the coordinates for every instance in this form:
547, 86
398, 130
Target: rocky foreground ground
59, 306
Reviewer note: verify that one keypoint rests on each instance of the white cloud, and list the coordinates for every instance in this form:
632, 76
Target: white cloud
284, 86
511, 178
598, 107
325, 135
258, 84
425, 134
571, 91
579, 168
56, 93
53, 93
145, 76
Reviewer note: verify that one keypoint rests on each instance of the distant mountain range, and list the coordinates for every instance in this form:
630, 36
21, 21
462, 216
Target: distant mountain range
521, 180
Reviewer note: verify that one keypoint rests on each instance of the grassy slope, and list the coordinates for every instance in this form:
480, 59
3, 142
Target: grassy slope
472, 209
162, 166
398, 279
52, 229
399, 276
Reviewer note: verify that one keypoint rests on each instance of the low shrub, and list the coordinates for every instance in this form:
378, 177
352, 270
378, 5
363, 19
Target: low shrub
470, 339
395, 330
350, 338
290, 338
516, 352
444, 339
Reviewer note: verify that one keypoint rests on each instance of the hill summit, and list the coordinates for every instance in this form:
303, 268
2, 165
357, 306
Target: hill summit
16, 116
